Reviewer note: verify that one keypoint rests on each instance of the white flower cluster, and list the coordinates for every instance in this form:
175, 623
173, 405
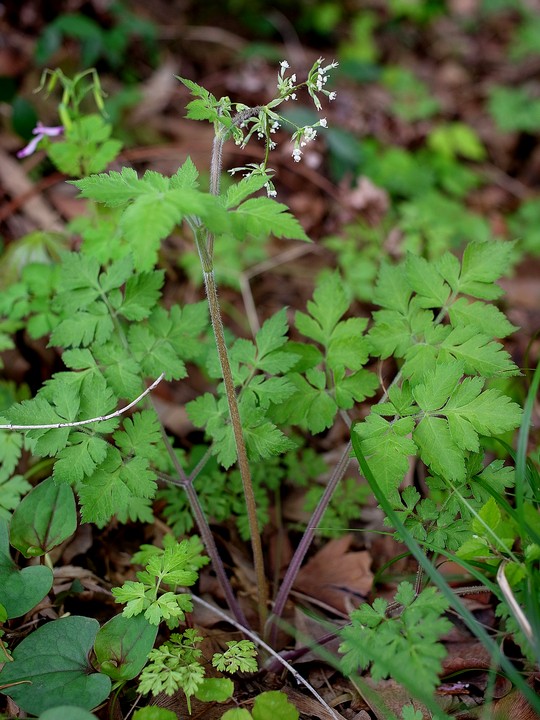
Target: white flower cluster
265, 121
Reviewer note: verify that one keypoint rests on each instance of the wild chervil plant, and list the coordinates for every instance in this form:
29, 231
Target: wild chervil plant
102, 307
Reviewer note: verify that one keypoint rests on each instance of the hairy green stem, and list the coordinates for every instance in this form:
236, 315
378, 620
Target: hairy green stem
205, 247
243, 463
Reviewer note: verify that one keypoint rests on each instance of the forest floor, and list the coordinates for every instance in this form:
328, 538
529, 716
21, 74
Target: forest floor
361, 192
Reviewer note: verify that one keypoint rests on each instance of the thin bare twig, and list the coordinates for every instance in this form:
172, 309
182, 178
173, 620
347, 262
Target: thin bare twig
78, 423
258, 641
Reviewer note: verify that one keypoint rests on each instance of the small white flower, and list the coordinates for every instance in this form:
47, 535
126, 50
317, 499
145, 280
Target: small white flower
332, 96
284, 65
293, 96
293, 77
297, 154
310, 134
323, 122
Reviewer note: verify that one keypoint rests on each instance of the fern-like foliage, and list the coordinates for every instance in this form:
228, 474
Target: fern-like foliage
405, 647
440, 408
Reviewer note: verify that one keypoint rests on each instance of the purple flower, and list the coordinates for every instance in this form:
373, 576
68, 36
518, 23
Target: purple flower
40, 131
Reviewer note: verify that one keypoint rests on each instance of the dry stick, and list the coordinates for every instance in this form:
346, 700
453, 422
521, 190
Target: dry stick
510, 598
307, 538
79, 423
257, 640
186, 483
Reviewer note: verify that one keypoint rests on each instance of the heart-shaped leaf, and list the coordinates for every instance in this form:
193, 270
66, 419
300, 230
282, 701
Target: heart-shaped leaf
122, 646
62, 712
46, 517
53, 668
21, 590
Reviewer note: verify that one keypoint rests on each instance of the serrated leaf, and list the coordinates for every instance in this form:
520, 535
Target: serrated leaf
438, 449
354, 388
309, 407
10, 451
80, 458
489, 412
483, 263
487, 319
148, 220
330, 302
348, 347
141, 294
116, 274
243, 189
84, 327
265, 440
140, 435
186, 176
273, 334
438, 385
123, 374
112, 486
479, 354
392, 291
423, 278
113, 188
387, 448
263, 216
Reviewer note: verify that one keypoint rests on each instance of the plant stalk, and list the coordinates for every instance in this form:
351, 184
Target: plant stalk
243, 463
307, 539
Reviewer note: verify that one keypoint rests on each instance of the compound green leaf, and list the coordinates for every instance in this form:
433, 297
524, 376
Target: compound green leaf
140, 435
489, 412
310, 407
54, 661
483, 263
141, 294
438, 449
273, 334
348, 347
487, 319
10, 451
243, 189
186, 176
438, 385
387, 447
80, 458
392, 291
479, 354
148, 220
330, 302
354, 388
423, 278
84, 327
112, 189
263, 216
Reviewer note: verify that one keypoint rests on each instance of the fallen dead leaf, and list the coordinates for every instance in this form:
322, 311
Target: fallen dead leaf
336, 577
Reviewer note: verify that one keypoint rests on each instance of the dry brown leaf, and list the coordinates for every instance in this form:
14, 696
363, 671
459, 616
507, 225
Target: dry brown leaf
336, 577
